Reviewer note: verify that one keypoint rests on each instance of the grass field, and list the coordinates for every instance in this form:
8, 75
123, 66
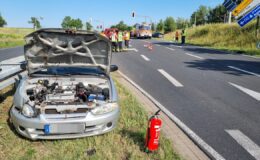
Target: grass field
124, 143
224, 36
11, 37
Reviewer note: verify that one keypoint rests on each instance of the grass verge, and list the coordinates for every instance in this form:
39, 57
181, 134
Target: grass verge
229, 37
12, 37
125, 142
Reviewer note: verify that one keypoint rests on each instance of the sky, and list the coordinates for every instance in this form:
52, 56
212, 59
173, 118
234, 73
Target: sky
17, 13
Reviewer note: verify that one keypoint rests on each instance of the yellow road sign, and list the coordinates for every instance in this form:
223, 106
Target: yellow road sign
241, 7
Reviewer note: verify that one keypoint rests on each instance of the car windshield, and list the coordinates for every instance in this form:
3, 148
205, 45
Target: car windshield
145, 27
71, 71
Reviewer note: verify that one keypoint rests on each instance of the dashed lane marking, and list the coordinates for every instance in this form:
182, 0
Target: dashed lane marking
246, 143
192, 55
250, 92
252, 73
170, 48
170, 78
145, 58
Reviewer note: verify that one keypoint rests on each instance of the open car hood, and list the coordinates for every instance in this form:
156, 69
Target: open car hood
58, 47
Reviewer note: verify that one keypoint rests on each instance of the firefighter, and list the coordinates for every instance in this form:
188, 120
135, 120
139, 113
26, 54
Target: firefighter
113, 38
177, 36
183, 36
120, 41
127, 38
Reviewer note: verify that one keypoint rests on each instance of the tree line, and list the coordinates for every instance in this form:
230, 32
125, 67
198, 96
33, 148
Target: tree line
202, 15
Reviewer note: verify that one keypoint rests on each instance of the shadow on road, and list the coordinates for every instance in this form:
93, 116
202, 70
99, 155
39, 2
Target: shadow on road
222, 65
194, 49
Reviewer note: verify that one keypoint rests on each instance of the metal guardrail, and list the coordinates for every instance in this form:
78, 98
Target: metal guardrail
11, 71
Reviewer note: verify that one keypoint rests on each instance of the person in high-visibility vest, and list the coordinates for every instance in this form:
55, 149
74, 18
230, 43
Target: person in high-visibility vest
183, 36
120, 41
127, 39
114, 41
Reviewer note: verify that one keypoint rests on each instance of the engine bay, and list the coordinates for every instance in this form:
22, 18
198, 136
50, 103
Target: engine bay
43, 93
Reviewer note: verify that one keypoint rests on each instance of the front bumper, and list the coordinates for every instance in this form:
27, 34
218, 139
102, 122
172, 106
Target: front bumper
35, 128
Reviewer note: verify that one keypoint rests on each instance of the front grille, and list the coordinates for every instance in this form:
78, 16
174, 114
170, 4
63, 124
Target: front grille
54, 111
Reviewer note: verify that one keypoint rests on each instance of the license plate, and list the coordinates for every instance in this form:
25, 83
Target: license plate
64, 128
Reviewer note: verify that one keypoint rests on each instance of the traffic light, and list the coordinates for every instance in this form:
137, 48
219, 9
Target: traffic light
133, 14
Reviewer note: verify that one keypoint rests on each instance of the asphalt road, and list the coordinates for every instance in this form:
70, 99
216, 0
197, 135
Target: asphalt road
10, 53
214, 93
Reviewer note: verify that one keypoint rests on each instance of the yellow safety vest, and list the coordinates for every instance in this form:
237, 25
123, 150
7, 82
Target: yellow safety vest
113, 37
120, 36
127, 36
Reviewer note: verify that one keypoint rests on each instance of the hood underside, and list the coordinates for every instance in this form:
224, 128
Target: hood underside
58, 47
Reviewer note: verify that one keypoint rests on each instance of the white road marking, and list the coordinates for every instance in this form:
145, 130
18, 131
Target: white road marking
246, 143
250, 56
250, 92
145, 58
255, 74
9, 48
158, 45
194, 56
13, 60
146, 41
177, 46
130, 45
200, 142
170, 78
132, 49
170, 48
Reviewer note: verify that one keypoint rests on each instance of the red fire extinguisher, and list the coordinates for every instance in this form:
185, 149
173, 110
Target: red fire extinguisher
153, 133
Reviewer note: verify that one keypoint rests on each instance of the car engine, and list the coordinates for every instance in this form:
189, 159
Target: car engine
55, 93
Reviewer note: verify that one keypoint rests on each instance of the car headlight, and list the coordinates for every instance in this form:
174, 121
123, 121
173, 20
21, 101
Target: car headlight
28, 111
109, 107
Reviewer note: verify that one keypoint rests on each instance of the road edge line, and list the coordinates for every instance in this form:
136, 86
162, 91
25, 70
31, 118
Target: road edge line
193, 136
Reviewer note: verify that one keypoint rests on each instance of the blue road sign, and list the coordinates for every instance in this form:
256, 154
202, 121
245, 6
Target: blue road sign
230, 5
249, 16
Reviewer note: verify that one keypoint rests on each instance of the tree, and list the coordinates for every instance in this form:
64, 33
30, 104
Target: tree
121, 26
69, 22
182, 23
88, 26
2, 21
201, 16
66, 22
217, 14
169, 24
160, 26
35, 22
153, 27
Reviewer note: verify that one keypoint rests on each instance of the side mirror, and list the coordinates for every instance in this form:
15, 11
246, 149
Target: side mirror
113, 68
23, 66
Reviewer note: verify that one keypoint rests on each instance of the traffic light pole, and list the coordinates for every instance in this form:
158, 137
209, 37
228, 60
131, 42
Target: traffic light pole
257, 27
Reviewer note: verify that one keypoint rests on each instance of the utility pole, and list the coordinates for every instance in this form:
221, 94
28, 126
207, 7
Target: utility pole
229, 17
195, 21
257, 27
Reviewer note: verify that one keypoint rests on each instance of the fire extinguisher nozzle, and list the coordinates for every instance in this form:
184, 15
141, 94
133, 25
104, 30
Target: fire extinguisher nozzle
157, 113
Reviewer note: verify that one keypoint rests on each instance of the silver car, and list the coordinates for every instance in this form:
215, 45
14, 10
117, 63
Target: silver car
68, 92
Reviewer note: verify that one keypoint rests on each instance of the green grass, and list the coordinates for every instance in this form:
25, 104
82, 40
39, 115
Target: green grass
12, 37
125, 142
224, 36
